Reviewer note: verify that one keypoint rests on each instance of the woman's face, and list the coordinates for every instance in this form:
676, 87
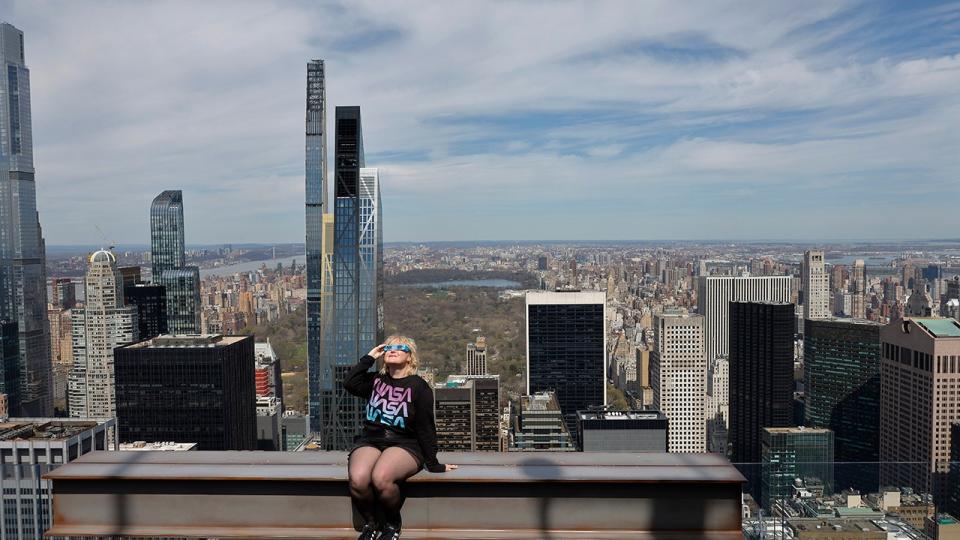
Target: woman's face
394, 355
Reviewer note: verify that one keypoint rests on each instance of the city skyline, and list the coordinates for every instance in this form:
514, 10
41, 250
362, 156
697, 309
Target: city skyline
687, 116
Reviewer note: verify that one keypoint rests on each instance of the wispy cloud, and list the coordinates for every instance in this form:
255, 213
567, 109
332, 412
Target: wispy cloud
506, 120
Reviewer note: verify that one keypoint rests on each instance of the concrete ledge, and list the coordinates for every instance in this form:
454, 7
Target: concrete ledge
493, 495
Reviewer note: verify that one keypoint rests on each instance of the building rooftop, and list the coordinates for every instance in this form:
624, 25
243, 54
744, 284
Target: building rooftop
167, 341
798, 429
27, 429
621, 415
143, 446
939, 327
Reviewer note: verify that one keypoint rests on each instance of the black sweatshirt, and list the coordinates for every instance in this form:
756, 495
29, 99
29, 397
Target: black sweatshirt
404, 406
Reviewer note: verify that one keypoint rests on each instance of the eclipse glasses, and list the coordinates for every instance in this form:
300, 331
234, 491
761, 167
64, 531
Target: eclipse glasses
398, 347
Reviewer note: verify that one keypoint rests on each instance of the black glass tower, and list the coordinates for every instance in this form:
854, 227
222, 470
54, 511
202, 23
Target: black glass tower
167, 258
761, 374
316, 194
10, 366
151, 303
842, 385
188, 389
566, 346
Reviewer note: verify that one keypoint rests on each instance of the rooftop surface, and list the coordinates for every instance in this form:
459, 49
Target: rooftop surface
940, 327
170, 341
54, 429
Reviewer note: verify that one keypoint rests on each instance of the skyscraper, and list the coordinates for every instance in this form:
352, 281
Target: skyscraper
919, 389
858, 290
168, 258
483, 392
714, 293
23, 280
455, 405
761, 373
357, 282
188, 389
816, 286
316, 193
842, 384
102, 325
10, 366
794, 452
151, 304
566, 350
678, 374
477, 357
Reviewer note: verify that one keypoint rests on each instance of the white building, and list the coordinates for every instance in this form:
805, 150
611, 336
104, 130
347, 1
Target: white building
29, 448
718, 411
102, 325
816, 286
714, 294
678, 374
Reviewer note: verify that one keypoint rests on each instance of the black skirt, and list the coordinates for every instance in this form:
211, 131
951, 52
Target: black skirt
381, 439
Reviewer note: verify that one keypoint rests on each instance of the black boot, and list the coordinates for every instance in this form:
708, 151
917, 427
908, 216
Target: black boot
369, 532
390, 531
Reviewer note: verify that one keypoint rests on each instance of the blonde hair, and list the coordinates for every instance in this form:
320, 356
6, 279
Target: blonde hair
414, 361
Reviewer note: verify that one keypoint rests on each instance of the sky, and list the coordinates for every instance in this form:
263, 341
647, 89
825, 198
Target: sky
503, 120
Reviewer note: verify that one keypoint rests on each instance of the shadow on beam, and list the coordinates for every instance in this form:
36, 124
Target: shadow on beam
493, 495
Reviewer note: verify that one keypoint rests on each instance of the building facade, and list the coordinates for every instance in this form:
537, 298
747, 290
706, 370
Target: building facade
468, 413
150, 302
540, 426
794, 452
761, 374
477, 357
357, 282
858, 290
188, 388
678, 374
622, 431
842, 388
102, 325
816, 286
31, 447
168, 263
316, 193
10, 366
714, 294
566, 349
919, 400
23, 277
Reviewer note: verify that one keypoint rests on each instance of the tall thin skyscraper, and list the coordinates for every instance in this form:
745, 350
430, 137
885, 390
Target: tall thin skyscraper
714, 294
357, 281
761, 373
167, 259
816, 286
678, 373
23, 279
566, 350
316, 194
858, 288
102, 325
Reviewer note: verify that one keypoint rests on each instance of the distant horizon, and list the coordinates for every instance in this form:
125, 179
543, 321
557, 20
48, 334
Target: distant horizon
783, 241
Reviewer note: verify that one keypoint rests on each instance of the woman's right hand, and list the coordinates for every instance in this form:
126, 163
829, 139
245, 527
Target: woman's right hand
376, 352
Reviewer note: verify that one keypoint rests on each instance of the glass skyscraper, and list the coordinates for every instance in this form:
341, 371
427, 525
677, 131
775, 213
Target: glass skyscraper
842, 383
357, 324
167, 259
316, 192
23, 287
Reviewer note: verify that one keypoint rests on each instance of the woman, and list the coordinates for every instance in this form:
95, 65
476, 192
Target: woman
399, 434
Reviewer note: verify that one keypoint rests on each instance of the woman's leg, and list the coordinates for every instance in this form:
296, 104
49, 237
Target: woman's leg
361, 464
394, 466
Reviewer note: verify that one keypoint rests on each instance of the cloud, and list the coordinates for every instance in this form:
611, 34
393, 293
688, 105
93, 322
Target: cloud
518, 120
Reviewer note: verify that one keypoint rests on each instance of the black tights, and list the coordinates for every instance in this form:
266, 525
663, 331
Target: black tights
375, 477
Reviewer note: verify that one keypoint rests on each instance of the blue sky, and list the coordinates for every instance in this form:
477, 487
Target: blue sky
504, 120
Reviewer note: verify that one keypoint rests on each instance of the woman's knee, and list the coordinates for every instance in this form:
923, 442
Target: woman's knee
383, 481
360, 483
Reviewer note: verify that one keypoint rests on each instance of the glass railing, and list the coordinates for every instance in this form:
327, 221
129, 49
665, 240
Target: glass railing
784, 497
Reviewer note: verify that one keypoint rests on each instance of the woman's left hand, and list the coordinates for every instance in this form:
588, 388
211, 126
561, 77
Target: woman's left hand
450, 467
